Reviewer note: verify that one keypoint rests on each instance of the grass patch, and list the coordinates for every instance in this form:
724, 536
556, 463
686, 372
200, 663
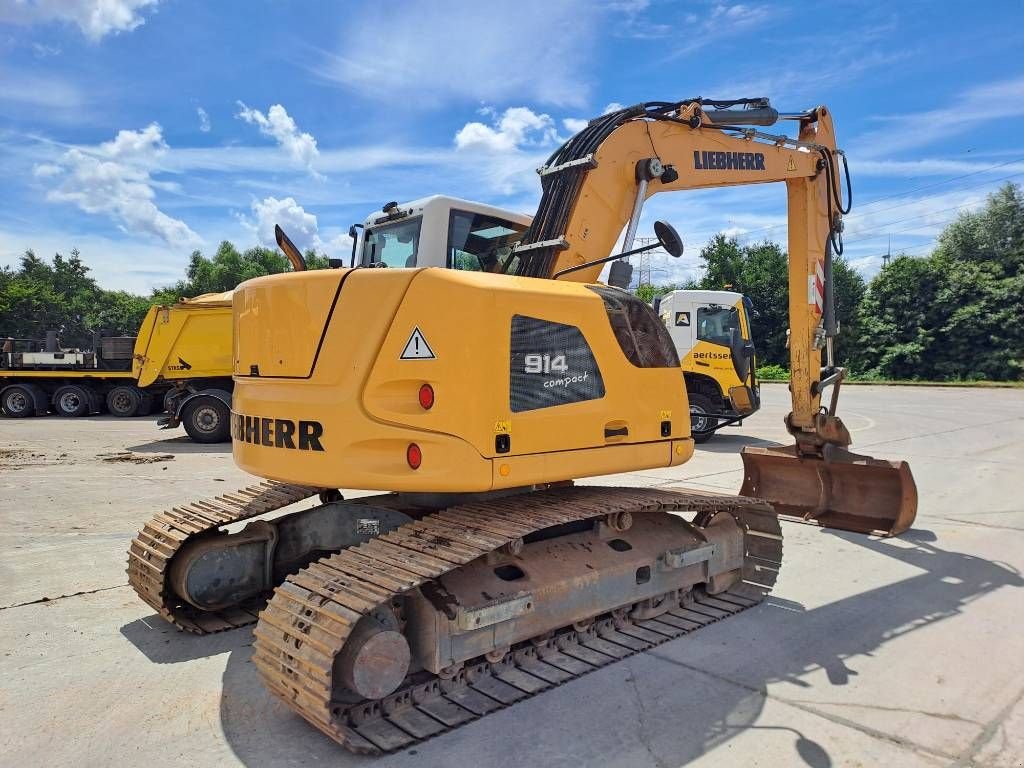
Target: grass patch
776, 373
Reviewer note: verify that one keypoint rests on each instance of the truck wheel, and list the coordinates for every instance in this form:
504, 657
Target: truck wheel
207, 420
71, 400
17, 402
701, 422
124, 400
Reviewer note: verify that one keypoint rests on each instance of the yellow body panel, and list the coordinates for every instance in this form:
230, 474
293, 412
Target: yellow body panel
183, 341
364, 396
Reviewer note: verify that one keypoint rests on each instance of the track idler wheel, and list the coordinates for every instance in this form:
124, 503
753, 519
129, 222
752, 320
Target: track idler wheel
375, 659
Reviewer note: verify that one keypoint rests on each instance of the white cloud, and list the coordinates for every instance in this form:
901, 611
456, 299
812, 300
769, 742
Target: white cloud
95, 18
47, 171
278, 124
301, 227
114, 179
517, 127
41, 51
935, 166
424, 54
338, 247
574, 124
980, 106
724, 21
204, 120
117, 263
43, 91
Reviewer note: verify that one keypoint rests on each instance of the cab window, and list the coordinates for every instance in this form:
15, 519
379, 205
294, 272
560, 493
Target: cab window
715, 324
393, 244
480, 243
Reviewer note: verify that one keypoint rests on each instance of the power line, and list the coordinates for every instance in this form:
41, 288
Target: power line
909, 230
859, 212
882, 229
939, 183
940, 194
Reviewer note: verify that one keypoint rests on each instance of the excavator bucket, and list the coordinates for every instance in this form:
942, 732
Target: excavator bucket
847, 491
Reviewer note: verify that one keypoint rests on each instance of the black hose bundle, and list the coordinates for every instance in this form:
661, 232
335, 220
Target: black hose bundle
561, 189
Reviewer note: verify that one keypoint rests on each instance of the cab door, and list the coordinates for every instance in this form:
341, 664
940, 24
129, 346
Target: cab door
715, 329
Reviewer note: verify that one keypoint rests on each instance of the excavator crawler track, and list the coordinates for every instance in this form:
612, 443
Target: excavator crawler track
311, 615
151, 551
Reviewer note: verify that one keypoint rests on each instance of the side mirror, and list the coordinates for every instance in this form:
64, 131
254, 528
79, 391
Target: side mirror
668, 238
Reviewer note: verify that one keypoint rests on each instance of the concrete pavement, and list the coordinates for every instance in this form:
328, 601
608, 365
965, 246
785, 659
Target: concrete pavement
901, 652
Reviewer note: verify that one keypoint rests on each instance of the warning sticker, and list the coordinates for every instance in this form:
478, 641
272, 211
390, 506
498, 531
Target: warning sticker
682, 318
416, 348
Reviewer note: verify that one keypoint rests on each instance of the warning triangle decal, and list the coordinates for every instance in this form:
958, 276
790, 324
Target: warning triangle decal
416, 348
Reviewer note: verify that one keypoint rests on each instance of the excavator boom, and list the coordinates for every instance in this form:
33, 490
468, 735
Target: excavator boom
595, 185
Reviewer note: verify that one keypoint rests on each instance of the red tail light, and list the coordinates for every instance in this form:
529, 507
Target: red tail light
426, 397
414, 455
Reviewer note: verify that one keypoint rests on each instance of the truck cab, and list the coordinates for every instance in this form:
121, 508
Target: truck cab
711, 333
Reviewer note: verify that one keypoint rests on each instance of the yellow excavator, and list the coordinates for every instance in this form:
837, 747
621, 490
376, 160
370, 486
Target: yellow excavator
484, 576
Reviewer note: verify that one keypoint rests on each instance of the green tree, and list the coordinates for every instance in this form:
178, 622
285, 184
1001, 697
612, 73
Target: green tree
648, 292
898, 319
957, 313
228, 267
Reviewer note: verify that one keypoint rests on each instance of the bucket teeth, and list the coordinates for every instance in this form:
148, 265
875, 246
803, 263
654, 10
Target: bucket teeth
844, 490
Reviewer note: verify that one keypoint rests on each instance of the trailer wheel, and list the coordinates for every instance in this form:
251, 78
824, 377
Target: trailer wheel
207, 420
124, 400
17, 402
71, 400
702, 424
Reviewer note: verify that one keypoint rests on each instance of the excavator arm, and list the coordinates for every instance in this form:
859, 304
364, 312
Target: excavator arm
595, 186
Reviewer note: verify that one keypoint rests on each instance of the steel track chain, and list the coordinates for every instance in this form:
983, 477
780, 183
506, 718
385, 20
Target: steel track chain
152, 550
307, 621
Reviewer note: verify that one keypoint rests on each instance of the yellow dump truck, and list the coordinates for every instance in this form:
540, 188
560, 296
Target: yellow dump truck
180, 361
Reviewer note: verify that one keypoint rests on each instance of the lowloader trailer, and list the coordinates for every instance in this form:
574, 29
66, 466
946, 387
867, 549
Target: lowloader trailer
179, 361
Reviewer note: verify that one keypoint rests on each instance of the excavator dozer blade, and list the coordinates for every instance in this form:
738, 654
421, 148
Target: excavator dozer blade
847, 491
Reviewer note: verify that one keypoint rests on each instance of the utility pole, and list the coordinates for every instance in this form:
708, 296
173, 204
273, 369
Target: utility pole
644, 277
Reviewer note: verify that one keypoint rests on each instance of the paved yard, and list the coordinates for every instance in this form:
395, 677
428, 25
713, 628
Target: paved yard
871, 652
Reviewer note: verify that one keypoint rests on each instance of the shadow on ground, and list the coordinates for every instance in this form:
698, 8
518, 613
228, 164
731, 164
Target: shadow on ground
723, 442
180, 444
665, 707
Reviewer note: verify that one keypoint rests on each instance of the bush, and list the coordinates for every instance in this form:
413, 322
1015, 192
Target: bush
772, 372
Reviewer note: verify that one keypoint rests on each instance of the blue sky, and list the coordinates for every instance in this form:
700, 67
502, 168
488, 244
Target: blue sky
138, 130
